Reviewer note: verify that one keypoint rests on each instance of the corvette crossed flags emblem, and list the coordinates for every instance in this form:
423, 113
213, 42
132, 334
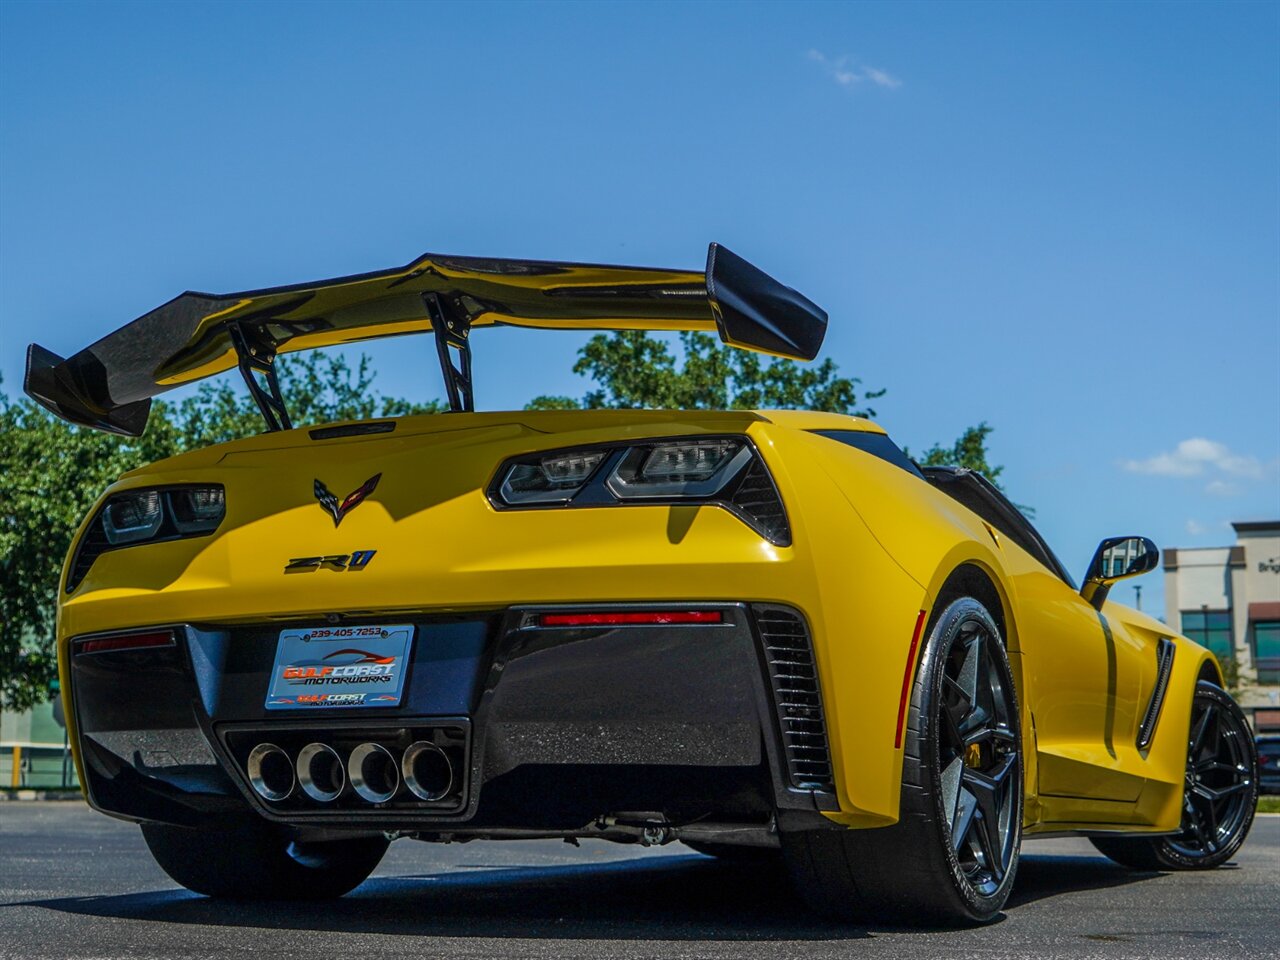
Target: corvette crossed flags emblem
352, 500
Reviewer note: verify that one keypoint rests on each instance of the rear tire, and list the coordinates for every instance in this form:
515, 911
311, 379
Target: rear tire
1220, 797
952, 856
257, 863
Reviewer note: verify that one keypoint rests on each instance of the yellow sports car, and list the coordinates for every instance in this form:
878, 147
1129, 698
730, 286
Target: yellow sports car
762, 634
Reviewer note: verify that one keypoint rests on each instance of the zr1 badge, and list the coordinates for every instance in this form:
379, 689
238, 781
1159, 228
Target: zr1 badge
357, 666
356, 560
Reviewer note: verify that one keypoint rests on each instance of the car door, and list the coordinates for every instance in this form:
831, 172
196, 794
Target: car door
1082, 673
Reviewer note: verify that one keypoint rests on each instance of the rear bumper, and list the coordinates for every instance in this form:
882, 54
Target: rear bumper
551, 730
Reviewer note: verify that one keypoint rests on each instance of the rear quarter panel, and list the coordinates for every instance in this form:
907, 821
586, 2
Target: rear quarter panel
881, 542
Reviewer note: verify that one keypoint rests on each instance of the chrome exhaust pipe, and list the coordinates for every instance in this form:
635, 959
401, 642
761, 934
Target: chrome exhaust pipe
270, 772
373, 772
320, 772
427, 771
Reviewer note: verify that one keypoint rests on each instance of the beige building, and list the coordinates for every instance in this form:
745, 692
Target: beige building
1228, 598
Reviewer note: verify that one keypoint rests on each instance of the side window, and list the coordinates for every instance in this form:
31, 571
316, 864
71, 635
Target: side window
876, 444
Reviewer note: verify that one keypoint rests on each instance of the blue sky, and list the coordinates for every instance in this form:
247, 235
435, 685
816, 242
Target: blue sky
1063, 219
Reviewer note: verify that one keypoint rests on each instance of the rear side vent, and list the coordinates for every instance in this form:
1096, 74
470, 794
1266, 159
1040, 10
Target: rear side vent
757, 500
797, 698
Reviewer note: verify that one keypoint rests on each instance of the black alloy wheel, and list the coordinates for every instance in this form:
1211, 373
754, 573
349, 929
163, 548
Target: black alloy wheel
978, 758
1220, 793
952, 856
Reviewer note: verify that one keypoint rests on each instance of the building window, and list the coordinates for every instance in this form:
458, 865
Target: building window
1209, 628
1266, 650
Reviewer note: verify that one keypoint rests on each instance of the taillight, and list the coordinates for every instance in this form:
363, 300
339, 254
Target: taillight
718, 471
121, 642
197, 510
132, 517
629, 618
550, 478
150, 515
693, 468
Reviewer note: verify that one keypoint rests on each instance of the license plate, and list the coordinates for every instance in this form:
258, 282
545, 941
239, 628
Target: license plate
320, 667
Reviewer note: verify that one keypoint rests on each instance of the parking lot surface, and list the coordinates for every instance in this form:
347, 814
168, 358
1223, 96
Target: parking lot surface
74, 883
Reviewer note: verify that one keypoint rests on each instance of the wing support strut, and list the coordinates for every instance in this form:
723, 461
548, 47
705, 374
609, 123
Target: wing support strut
452, 329
257, 355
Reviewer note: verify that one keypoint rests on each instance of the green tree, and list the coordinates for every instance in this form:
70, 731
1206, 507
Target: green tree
969, 451
636, 371
53, 473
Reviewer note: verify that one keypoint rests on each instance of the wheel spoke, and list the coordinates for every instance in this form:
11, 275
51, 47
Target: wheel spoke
1210, 821
986, 789
967, 681
966, 809
1197, 827
1004, 735
992, 847
951, 789
1212, 794
1209, 766
1197, 736
952, 716
976, 723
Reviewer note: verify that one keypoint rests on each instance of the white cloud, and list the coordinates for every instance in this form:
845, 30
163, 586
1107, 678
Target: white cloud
847, 73
1221, 488
1195, 528
881, 79
1193, 457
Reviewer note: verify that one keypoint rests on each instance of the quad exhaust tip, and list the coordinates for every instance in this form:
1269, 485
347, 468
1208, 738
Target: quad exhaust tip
320, 772
270, 772
427, 771
373, 772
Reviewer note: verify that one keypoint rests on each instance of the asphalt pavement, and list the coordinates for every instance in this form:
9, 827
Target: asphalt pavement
74, 883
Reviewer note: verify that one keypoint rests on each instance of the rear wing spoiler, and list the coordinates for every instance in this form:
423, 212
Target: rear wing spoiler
109, 385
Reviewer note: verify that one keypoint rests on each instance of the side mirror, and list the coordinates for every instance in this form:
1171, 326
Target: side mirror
1117, 558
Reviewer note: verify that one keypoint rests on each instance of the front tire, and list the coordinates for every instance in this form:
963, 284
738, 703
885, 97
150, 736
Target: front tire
255, 862
952, 856
1221, 793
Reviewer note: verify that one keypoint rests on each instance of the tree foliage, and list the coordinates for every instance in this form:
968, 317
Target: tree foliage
636, 371
54, 472
969, 451
317, 388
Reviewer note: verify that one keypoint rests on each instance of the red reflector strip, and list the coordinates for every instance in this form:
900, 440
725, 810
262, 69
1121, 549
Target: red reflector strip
134, 641
629, 618
907, 674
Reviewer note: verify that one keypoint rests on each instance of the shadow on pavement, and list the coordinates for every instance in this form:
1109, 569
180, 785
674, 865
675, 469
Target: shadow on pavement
1042, 876
658, 898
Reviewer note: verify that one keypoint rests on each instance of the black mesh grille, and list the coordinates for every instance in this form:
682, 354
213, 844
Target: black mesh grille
91, 546
757, 499
797, 698
1164, 668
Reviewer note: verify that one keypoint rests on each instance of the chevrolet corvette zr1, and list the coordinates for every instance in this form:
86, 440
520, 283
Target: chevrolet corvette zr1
762, 633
